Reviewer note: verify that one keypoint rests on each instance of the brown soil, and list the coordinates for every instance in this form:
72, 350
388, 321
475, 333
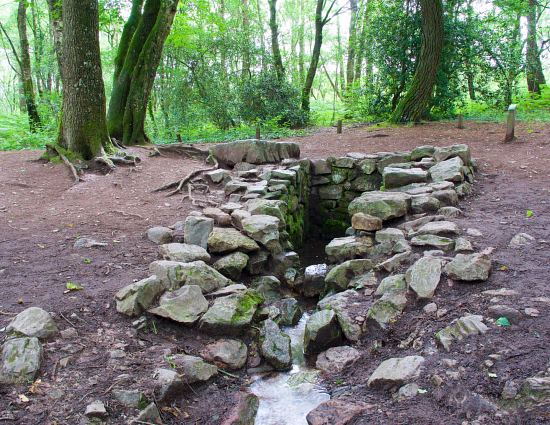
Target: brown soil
42, 214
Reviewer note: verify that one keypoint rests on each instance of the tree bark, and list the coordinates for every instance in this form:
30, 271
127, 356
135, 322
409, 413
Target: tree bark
275, 49
25, 62
84, 129
412, 106
533, 66
245, 71
55, 13
320, 22
350, 65
138, 57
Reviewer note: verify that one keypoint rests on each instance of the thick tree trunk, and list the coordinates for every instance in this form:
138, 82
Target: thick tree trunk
84, 130
139, 54
26, 72
413, 106
533, 66
350, 65
275, 49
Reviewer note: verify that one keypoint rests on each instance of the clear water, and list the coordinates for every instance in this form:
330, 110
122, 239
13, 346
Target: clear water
287, 397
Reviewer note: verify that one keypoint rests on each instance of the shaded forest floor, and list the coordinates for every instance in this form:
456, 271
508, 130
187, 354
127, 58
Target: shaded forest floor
42, 214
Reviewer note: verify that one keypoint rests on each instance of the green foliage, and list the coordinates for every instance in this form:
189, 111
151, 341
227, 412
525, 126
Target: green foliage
264, 98
15, 134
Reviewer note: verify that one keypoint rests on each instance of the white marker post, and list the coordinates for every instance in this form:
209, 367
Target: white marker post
511, 124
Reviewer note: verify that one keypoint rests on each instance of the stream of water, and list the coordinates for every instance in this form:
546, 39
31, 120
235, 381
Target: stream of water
287, 397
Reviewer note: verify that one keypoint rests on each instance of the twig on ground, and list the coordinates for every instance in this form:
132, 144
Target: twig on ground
124, 214
67, 320
227, 373
6, 313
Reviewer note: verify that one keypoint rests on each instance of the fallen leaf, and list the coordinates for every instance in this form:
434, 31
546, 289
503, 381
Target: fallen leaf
23, 398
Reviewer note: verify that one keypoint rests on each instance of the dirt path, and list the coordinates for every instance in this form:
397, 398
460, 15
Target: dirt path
41, 215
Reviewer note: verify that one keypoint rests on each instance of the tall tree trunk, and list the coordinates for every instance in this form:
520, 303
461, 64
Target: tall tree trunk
413, 105
245, 72
139, 54
55, 13
84, 129
320, 22
301, 44
350, 65
533, 66
26, 72
275, 49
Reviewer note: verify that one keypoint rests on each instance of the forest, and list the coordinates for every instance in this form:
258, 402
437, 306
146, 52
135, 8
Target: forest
213, 70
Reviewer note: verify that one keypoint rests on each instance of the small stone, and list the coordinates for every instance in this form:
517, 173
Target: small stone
424, 204
244, 410
217, 176
384, 205
193, 369
336, 412
159, 235
344, 304
184, 305
463, 245
408, 391
392, 283
168, 383
290, 312
449, 212
96, 409
520, 240
430, 308
423, 276
88, 243
275, 346
460, 329
435, 241
33, 322
473, 232
183, 252
226, 353
314, 279
237, 218
21, 359
510, 390
396, 371
498, 310
469, 267
133, 299
449, 170
220, 218
437, 228
197, 230
366, 222
322, 331
232, 264
129, 398
336, 359
389, 234
223, 240
348, 248
533, 312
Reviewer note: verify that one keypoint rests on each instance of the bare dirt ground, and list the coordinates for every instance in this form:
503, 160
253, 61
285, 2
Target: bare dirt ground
42, 214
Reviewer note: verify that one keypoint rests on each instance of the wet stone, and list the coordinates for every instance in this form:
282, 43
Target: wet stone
322, 331
314, 280
336, 359
226, 353
275, 346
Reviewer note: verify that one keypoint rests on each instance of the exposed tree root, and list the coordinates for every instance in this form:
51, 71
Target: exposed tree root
178, 184
189, 151
68, 163
120, 157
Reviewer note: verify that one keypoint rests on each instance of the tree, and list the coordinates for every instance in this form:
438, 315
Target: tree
533, 66
352, 41
412, 107
84, 129
25, 65
276, 50
136, 63
322, 17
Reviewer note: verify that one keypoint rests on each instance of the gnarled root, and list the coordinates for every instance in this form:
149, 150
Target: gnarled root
178, 184
54, 150
119, 157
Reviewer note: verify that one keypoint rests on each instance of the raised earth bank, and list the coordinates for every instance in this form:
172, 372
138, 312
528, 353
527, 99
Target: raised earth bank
240, 273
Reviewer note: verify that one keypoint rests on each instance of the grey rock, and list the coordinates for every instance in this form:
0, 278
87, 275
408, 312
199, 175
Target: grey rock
343, 304
344, 162
469, 267
193, 369
396, 177
424, 204
408, 391
389, 158
437, 228
424, 275
220, 218
197, 230
226, 353
223, 240
449, 212
389, 234
265, 230
290, 312
232, 264
463, 244
337, 412
133, 299
217, 176
460, 329
237, 218
168, 383
332, 191
520, 240
510, 390
499, 310
368, 165
396, 372
254, 152
184, 305
183, 252
340, 276
322, 331
85, 242
435, 241
422, 152
96, 409
230, 315
257, 262
33, 322
275, 208
228, 290
174, 274
21, 359
386, 309
392, 283
269, 287
314, 279
336, 359
129, 398
446, 197
159, 235
365, 183
394, 262
275, 346
320, 167
348, 248
384, 205
150, 414
462, 151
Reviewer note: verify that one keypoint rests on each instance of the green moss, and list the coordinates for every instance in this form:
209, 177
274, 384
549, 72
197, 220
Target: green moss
246, 306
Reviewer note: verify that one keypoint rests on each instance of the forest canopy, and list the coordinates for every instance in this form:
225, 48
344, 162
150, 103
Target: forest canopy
216, 69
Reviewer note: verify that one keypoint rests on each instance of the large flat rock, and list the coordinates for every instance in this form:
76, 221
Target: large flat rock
255, 152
